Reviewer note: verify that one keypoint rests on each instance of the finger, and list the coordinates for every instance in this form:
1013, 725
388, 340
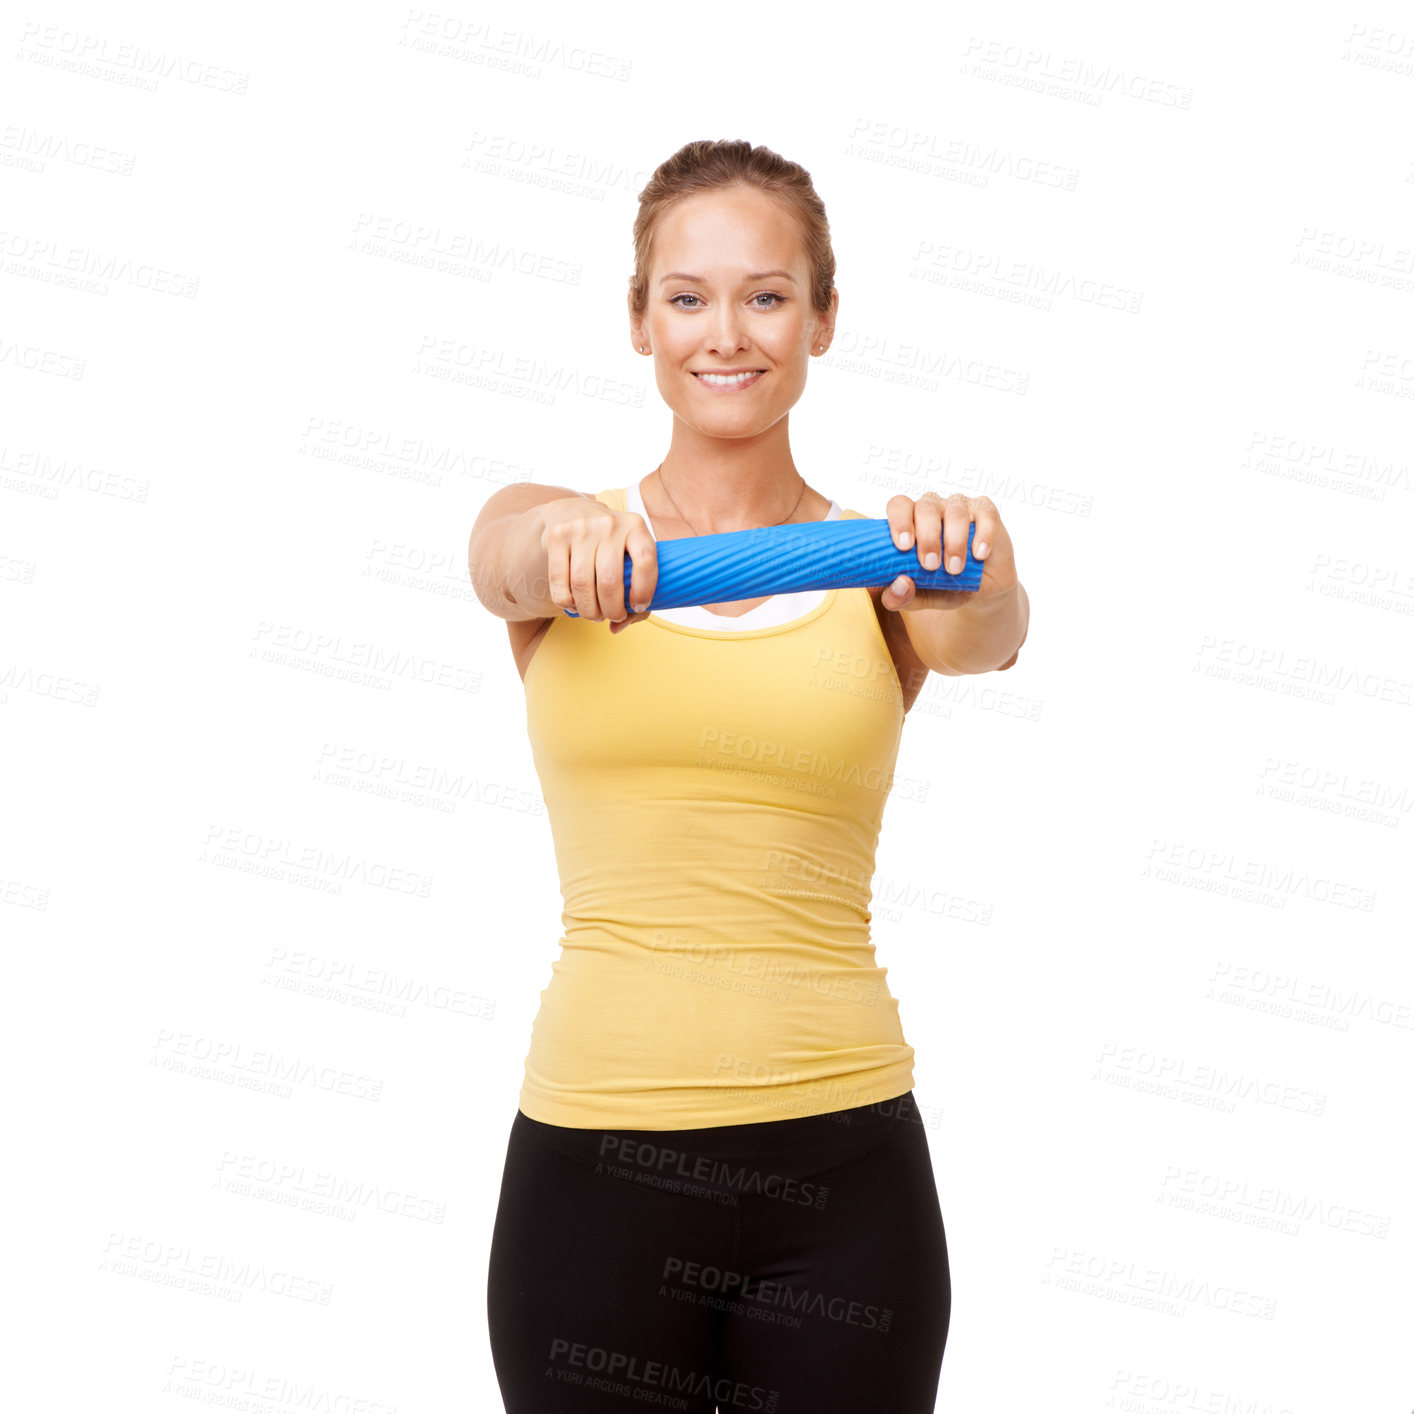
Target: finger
557, 567
643, 549
900, 513
584, 574
633, 618
957, 516
983, 535
609, 578
987, 519
899, 593
928, 517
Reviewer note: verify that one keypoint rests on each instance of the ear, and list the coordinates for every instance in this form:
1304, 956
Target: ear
827, 320
635, 327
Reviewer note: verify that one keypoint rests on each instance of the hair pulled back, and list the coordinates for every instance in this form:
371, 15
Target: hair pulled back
707, 166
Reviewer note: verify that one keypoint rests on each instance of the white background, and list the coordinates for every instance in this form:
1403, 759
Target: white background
274, 285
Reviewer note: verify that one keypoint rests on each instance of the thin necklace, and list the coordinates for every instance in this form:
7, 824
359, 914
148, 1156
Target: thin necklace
694, 529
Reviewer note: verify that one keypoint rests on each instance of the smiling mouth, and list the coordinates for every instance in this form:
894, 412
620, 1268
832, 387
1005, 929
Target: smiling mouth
727, 383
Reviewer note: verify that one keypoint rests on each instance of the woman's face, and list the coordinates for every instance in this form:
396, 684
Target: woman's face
729, 291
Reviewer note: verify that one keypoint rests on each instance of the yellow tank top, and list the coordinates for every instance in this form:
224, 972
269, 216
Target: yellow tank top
715, 798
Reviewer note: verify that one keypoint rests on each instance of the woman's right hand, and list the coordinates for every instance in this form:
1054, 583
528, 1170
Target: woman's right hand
585, 543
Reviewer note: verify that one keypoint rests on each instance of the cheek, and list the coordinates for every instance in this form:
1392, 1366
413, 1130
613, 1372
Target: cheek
785, 345
674, 343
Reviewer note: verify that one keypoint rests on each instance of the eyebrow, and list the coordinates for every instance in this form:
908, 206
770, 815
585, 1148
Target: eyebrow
698, 280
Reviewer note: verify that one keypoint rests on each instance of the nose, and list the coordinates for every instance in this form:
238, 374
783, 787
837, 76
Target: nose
727, 335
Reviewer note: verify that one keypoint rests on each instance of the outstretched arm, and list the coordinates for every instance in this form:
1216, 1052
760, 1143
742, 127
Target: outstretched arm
505, 585
955, 631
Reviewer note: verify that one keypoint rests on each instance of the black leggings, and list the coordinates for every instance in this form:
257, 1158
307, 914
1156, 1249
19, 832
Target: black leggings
793, 1266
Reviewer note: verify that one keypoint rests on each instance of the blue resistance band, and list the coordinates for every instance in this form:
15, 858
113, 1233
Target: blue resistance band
788, 559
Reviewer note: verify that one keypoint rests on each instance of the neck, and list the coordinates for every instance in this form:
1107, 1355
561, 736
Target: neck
731, 483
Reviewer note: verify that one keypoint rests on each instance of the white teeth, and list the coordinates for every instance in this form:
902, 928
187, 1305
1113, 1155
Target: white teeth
722, 380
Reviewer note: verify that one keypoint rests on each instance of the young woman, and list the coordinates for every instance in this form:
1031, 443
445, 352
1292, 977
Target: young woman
717, 1192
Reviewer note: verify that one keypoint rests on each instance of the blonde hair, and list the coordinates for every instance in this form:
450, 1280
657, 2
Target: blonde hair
707, 166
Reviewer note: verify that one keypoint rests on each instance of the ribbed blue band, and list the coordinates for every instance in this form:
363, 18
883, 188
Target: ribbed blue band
787, 559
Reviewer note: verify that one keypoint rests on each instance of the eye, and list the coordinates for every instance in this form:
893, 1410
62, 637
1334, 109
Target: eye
776, 300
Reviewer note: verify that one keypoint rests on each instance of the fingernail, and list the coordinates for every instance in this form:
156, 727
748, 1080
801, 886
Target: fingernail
955, 565
932, 560
900, 585
905, 539
979, 549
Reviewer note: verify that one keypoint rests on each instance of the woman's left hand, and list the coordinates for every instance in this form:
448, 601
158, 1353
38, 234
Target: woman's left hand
937, 527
